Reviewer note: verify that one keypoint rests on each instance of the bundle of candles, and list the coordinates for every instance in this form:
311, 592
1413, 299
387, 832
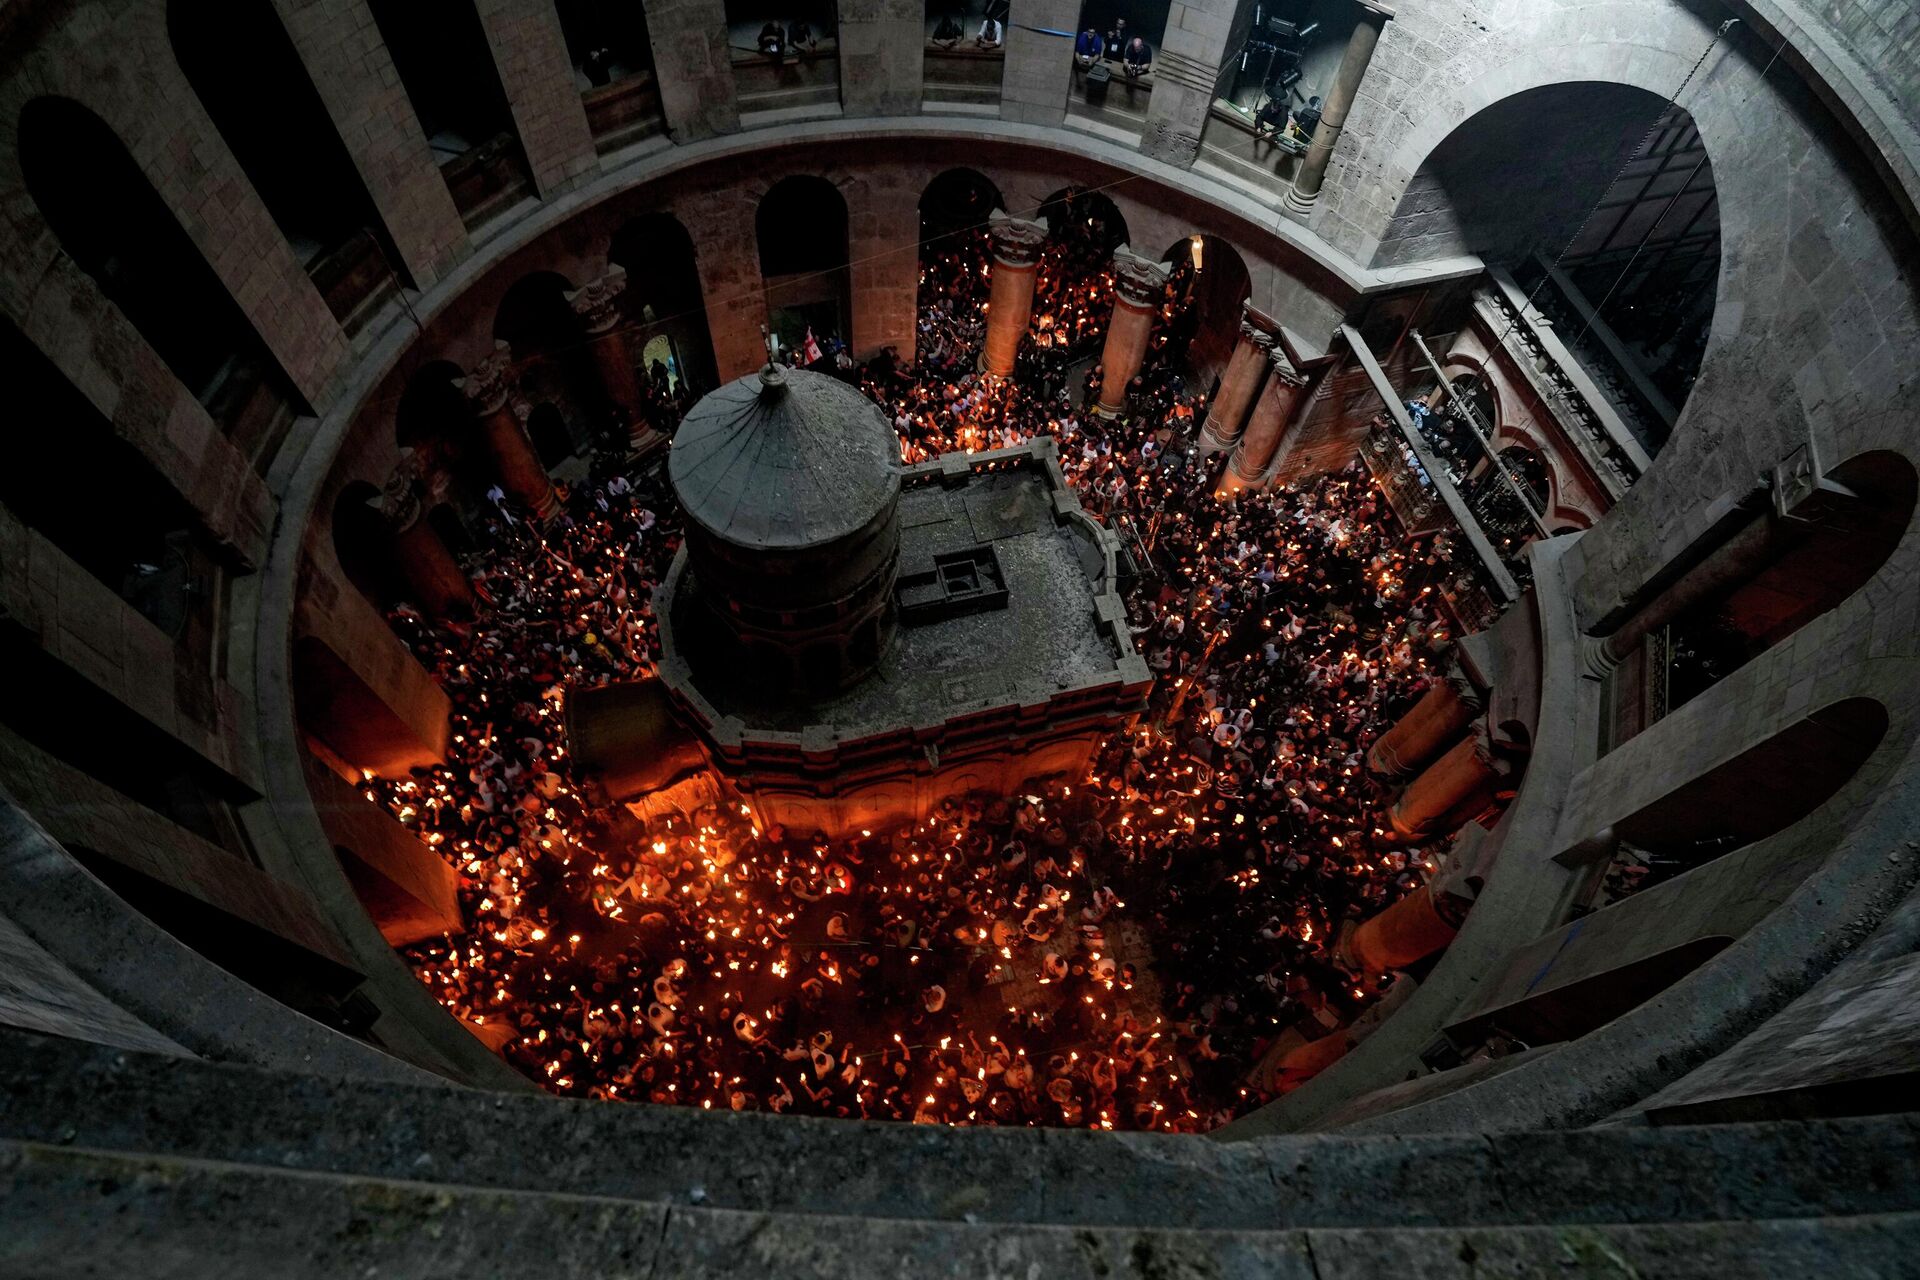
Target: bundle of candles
1117, 951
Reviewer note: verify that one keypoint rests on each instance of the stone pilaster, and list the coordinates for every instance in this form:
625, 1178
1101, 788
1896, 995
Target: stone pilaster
882, 50
1186, 71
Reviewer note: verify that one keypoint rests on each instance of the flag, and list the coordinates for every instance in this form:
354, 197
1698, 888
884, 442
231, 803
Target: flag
810, 349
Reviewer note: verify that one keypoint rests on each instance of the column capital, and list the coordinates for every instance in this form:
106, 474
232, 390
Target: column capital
1138, 281
400, 498
1283, 368
490, 381
1017, 242
1255, 336
594, 302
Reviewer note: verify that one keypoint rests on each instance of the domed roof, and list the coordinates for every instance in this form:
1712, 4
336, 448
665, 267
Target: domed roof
784, 458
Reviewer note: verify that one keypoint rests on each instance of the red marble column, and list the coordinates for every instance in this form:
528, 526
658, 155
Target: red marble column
1139, 288
1017, 244
1273, 416
1442, 714
1246, 369
1405, 933
597, 305
434, 578
1452, 789
503, 430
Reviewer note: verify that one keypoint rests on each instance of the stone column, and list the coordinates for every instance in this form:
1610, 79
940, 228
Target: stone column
693, 67
1038, 73
1139, 289
1273, 415
1405, 933
882, 46
597, 305
1312, 173
1017, 245
434, 578
1186, 70
549, 119
1246, 369
1441, 715
1452, 789
1739, 559
503, 429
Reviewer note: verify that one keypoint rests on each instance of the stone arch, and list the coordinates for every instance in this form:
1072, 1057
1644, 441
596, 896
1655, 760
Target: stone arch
1808, 567
433, 417
664, 295
957, 200
801, 231
111, 221
1676, 842
551, 364
1212, 277
1075, 213
362, 543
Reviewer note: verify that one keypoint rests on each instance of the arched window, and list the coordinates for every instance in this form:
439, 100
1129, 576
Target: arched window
801, 227
441, 52
115, 227
434, 418
244, 69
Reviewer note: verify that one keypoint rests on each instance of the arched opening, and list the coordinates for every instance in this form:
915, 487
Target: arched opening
1073, 291
552, 367
801, 228
1210, 285
271, 117
786, 55
363, 544
612, 57
113, 224
955, 267
1687, 873
451, 529
434, 417
1795, 570
551, 440
346, 722
664, 299
116, 516
445, 62
955, 202
1614, 187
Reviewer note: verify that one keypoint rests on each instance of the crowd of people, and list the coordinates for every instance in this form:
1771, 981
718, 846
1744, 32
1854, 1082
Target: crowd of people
1131, 949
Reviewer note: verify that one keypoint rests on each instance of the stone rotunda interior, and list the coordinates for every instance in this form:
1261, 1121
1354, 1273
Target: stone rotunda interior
1141, 637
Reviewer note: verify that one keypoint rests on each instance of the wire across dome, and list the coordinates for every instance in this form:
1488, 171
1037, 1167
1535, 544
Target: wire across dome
785, 458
